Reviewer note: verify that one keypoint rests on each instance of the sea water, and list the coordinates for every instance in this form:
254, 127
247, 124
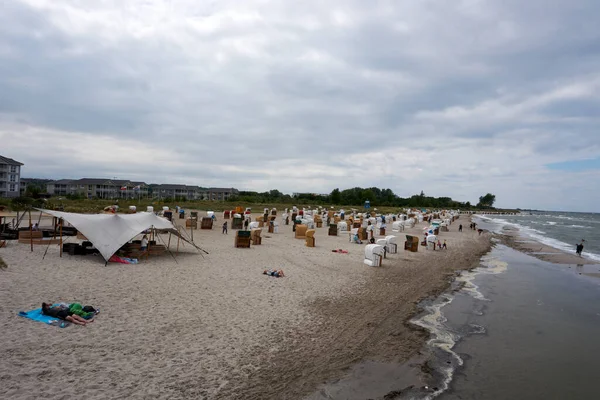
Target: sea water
561, 230
529, 330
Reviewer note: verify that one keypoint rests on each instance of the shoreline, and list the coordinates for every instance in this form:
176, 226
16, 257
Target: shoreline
544, 252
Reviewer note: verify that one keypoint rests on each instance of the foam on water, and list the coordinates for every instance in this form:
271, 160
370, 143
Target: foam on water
542, 236
442, 337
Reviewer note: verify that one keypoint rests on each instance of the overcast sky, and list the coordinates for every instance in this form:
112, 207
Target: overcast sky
455, 98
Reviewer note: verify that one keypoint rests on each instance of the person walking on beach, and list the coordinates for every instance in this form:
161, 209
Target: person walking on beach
225, 227
444, 246
460, 228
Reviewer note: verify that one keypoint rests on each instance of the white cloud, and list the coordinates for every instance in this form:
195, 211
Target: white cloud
454, 98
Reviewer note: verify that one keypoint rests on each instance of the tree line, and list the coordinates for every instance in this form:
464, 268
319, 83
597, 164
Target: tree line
358, 196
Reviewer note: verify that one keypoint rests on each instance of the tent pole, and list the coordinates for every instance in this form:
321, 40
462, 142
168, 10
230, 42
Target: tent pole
192, 229
61, 243
177, 245
170, 252
169, 244
30, 231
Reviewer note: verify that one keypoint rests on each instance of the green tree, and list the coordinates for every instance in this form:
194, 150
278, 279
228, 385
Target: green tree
336, 197
33, 191
486, 201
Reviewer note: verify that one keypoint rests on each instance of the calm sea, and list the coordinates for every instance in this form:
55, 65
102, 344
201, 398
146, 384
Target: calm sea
561, 230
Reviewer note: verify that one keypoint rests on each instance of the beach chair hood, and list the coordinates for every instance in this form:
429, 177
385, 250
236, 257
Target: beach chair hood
109, 232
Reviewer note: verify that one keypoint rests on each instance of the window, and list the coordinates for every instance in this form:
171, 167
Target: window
13, 178
89, 187
12, 187
13, 168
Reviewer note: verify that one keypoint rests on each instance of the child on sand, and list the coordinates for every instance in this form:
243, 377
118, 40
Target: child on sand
225, 227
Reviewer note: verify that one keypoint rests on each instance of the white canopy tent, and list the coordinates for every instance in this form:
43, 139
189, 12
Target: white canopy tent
109, 232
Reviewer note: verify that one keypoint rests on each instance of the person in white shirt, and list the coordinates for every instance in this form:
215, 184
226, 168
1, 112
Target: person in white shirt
144, 245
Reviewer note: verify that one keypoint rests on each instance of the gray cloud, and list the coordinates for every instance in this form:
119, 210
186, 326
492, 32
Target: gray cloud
454, 98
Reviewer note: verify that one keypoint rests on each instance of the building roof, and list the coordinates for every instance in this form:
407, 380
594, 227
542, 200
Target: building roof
9, 161
94, 181
61, 182
35, 180
230, 190
172, 187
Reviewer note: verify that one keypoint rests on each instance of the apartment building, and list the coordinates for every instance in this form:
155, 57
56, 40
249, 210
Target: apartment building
10, 177
221, 194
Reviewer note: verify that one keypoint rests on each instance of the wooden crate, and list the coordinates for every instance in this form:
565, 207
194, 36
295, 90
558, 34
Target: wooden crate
242, 239
237, 223
411, 243
207, 223
363, 234
310, 238
333, 231
301, 231
255, 236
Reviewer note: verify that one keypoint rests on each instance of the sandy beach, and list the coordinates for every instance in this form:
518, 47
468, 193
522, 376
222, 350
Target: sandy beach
213, 326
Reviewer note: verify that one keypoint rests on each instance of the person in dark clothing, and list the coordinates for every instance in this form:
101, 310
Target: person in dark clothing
460, 228
63, 312
225, 227
579, 249
246, 222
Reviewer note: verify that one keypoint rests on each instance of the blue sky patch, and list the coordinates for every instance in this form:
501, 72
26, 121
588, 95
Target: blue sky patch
576, 165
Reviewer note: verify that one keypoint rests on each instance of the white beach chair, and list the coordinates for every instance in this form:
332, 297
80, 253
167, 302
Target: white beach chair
373, 255
391, 245
397, 226
431, 241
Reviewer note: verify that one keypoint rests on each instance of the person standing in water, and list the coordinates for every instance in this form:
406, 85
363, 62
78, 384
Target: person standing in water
579, 248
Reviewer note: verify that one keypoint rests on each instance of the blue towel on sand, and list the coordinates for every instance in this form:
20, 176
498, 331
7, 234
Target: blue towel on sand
37, 315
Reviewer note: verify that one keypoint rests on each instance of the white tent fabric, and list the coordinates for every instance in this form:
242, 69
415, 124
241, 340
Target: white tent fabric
108, 232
